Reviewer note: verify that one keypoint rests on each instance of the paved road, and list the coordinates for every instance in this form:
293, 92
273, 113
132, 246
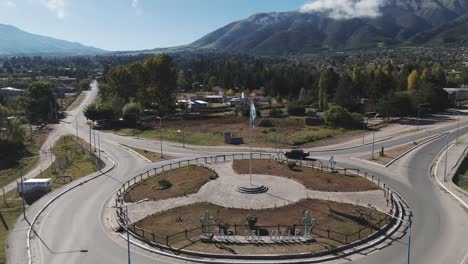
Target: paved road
78, 220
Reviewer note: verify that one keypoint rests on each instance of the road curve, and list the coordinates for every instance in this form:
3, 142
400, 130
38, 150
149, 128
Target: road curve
78, 220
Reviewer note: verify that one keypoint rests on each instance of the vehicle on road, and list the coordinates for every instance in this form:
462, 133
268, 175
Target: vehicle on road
296, 154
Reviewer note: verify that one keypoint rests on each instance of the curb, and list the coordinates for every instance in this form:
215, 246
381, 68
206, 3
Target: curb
136, 153
415, 147
28, 245
434, 173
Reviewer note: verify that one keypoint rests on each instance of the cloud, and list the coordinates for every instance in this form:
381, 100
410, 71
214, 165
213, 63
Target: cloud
344, 9
137, 7
57, 7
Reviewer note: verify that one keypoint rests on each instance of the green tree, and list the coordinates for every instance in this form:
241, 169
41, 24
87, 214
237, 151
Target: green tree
182, 82
337, 116
42, 106
345, 94
161, 83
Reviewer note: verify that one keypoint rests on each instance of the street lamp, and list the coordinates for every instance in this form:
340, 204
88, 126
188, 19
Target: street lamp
458, 126
417, 122
160, 133
183, 136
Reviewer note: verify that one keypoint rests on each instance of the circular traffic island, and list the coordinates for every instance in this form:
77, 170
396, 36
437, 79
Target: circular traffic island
219, 210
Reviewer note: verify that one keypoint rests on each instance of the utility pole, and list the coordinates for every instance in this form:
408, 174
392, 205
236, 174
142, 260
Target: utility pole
90, 141
373, 143
446, 154
409, 243
458, 126
417, 122
160, 135
22, 189
128, 234
99, 151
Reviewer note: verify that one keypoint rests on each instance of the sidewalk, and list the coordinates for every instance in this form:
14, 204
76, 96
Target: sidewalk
456, 154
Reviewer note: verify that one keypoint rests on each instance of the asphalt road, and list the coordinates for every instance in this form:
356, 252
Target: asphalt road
78, 220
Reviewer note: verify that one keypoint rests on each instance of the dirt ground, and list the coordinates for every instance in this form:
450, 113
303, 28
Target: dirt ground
342, 218
311, 178
286, 132
185, 180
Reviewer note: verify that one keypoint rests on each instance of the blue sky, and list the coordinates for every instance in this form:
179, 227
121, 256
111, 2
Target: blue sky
132, 24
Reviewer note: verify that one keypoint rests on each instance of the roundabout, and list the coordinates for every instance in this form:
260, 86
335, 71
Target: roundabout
302, 212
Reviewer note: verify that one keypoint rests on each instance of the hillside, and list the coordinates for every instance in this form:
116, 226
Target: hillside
401, 22
14, 41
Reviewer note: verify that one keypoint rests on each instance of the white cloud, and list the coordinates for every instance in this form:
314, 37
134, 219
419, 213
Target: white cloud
57, 7
344, 9
137, 7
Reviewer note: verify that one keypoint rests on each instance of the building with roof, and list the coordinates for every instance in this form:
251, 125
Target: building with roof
457, 95
8, 93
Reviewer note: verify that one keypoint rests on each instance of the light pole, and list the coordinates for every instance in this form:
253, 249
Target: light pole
417, 122
373, 142
458, 126
364, 129
160, 133
446, 154
183, 136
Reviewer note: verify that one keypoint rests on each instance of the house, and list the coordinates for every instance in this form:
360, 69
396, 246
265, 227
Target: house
456, 95
214, 99
8, 93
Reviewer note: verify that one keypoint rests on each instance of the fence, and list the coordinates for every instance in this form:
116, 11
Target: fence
342, 238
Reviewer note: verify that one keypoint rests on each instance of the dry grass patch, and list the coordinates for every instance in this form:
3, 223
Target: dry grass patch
174, 183
343, 218
153, 156
311, 178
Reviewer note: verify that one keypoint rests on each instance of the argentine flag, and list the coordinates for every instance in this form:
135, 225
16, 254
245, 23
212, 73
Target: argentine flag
253, 112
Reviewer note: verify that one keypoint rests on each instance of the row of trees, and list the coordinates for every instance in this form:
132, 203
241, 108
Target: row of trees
128, 89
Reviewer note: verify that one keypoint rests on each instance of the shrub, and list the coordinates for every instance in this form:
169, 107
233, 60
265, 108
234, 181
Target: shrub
296, 109
251, 220
265, 123
276, 112
337, 116
165, 184
291, 165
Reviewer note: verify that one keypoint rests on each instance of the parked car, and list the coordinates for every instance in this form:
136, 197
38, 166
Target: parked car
296, 154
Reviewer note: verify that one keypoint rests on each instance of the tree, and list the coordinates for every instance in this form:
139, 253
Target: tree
131, 112
296, 108
345, 94
413, 81
337, 116
161, 83
42, 105
396, 104
182, 82
212, 82
323, 90
95, 111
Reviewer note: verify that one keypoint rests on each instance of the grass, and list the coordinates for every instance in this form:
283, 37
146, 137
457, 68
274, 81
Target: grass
10, 211
338, 217
77, 163
311, 178
207, 131
461, 177
76, 101
153, 156
185, 180
32, 147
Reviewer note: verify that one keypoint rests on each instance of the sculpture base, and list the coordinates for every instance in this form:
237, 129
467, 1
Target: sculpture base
252, 189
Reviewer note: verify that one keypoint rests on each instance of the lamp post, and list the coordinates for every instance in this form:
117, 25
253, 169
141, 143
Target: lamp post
446, 154
160, 133
458, 126
183, 136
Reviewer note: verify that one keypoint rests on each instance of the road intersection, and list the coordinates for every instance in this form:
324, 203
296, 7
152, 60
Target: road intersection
75, 228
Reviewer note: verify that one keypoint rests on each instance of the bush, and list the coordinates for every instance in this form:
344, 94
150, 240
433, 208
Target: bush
265, 123
276, 112
251, 220
291, 165
165, 184
296, 109
337, 116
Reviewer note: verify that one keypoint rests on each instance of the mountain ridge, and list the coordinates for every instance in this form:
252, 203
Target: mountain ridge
14, 41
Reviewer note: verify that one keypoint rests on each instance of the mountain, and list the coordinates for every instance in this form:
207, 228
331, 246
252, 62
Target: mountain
401, 23
14, 41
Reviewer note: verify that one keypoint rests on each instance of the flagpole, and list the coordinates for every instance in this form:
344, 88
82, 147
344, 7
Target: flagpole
250, 141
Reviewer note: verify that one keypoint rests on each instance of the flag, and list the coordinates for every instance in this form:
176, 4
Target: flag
253, 112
